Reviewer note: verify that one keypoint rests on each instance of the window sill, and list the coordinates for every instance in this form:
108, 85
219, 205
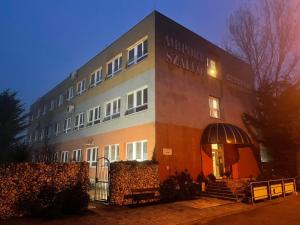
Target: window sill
136, 110
137, 60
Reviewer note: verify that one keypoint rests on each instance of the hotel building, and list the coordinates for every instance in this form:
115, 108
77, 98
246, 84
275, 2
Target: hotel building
158, 92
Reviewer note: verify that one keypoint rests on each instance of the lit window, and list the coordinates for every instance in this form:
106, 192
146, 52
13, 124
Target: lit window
93, 116
212, 68
60, 99
137, 100
92, 156
96, 77
136, 151
112, 109
76, 155
67, 125
70, 93
138, 52
214, 107
81, 87
114, 66
79, 121
64, 156
111, 152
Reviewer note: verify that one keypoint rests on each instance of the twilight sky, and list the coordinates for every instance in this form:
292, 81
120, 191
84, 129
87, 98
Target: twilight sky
42, 41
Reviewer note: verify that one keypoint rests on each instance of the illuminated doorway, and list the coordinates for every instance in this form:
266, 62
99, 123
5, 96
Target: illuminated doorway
218, 160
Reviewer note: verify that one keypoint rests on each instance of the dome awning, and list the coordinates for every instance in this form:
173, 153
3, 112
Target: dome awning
224, 133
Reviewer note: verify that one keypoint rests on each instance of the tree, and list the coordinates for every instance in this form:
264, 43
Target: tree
12, 124
267, 36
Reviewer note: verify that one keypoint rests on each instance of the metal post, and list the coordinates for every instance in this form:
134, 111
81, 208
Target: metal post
270, 190
252, 198
283, 187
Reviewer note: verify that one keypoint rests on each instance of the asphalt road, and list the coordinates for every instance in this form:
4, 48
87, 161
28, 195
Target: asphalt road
283, 211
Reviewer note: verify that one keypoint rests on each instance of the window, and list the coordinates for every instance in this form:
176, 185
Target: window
212, 68
138, 52
79, 121
55, 157
64, 156
137, 100
77, 155
49, 131
112, 109
111, 152
45, 109
92, 156
67, 125
81, 87
56, 129
214, 107
70, 93
38, 113
93, 116
60, 99
29, 139
42, 134
36, 136
114, 66
96, 77
52, 104
136, 151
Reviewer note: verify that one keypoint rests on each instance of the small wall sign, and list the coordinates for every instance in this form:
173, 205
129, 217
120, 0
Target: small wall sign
167, 151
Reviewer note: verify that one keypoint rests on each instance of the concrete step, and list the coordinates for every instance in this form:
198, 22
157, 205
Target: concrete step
232, 198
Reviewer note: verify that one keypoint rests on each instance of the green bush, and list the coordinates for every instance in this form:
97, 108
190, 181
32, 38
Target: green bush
50, 203
179, 187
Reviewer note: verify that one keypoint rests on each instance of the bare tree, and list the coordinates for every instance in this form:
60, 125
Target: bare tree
266, 34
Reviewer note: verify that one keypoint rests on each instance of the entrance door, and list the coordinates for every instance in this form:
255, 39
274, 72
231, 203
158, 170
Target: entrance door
218, 160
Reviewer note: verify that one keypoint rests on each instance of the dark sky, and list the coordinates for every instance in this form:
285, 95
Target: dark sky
42, 41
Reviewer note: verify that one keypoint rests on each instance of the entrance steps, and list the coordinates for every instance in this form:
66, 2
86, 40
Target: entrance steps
221, 189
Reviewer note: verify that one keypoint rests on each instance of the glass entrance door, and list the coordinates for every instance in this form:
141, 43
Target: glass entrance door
218, 160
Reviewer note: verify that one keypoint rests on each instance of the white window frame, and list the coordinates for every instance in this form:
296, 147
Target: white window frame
92, 158
81, 87
94, 120
70, 93
60, 100
79, 121
64, 156
134, 156
45, 109
110, 149
214, 111
112, 115
52, 105
77, 155
112, 61
56, 157
57, 125
96, 77
67, 124
135, 107
212, 69
134, 47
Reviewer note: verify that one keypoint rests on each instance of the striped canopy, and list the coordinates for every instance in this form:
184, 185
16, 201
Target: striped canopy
224, 133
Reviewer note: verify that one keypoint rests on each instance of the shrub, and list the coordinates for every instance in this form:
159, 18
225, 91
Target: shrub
51, 203
179, 187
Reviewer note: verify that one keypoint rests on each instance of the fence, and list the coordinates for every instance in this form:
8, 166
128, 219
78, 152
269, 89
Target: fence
261, 190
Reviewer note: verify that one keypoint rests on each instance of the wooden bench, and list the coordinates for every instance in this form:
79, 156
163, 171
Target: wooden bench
140, 194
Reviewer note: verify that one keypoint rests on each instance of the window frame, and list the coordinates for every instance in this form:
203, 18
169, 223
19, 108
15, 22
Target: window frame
94, 120
117, 152
79, 125
70, 93
93, 162
64, 156
212, 72
137, 108
134, 144
112, 115
95, 80
78, 155
60, 100
213, 110
134, 47
112, 61
82, 89
67, 126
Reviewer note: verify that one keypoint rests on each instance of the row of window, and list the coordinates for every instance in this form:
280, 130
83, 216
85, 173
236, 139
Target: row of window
136, 53
136, 101
136, 150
